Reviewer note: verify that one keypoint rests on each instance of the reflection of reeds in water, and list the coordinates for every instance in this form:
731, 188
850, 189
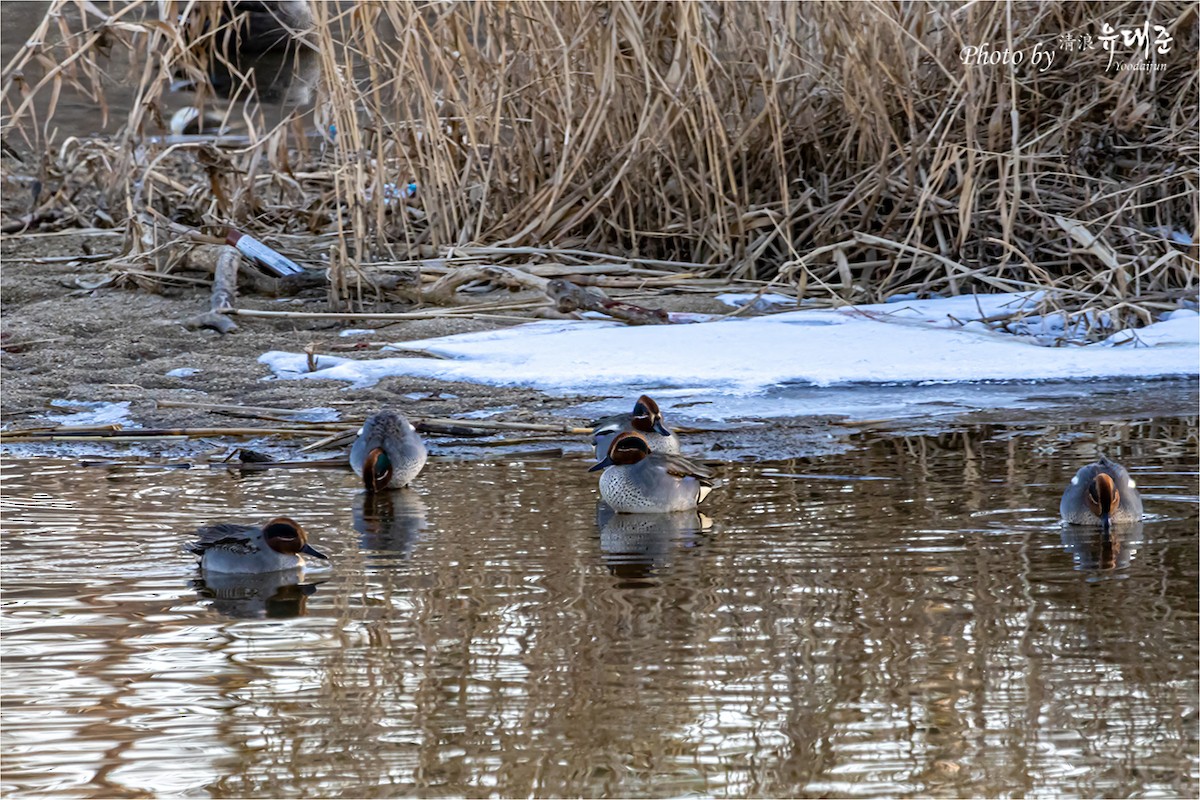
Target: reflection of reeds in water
748, 667
844, 148
840, 636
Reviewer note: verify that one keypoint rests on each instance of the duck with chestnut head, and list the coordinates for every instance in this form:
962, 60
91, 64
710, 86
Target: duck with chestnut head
645, 419
279, 544
637, 481
388, 452
1101, 494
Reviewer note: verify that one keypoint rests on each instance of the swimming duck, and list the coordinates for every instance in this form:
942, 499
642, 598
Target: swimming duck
636, 481
645, 419
1101, 494
276, 545
388, 453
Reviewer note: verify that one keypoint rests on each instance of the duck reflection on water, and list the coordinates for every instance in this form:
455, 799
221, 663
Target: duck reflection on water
1100, 548
267, 595
390, 521
636, 546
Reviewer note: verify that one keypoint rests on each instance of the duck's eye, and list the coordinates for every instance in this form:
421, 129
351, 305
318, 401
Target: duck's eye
1093, 494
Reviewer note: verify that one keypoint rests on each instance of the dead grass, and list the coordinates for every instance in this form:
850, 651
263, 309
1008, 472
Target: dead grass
840, 148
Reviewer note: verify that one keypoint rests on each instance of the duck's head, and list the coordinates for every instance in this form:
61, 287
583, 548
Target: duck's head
377, 470
647, 417
628, 448
1102, 498
284, 535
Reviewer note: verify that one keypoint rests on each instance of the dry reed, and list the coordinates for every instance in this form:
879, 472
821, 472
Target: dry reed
842, 149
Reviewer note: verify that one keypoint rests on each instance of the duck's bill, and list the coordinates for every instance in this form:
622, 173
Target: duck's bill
607, 462
308, 549
660, 428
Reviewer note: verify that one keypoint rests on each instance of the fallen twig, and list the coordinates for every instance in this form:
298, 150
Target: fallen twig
224, 295
89, 433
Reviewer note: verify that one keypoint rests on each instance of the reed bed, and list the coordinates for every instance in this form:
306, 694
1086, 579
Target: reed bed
843, 151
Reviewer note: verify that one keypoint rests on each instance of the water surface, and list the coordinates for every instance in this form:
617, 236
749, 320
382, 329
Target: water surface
903, 618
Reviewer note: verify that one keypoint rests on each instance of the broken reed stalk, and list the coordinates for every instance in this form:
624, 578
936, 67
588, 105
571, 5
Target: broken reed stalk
496, 425
458, 311
145, 434
228, 407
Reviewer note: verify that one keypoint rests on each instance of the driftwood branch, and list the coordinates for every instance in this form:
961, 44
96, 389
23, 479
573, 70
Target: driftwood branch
568, 297
442, 291
224, 295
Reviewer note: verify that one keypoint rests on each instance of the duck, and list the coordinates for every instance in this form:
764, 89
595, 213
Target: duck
645, 419
259, 46
279, 544
1101, 494
638, 481
388, 452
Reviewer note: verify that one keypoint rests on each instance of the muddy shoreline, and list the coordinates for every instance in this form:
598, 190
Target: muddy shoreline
118, 344
68, 343
64, 342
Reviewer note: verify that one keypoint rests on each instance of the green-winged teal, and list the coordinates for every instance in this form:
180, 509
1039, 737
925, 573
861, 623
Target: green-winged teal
1101, 494
388, 452
636, 481
645, 419
278, 544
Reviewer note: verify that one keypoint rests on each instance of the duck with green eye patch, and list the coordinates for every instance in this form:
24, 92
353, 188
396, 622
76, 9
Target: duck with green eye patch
636, 481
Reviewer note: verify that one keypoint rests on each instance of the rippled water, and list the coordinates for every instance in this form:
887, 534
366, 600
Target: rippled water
906, 618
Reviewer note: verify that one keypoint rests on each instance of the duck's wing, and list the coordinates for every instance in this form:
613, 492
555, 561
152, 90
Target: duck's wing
682, 467
613, 421
607, 426
225, 536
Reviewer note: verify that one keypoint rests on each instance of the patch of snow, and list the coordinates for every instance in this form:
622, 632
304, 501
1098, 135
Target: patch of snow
94, 413
356, 332
1169, 332
907, 297
182, 372
1056, 327
761, 303
316, 414
908, 343
484, 413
